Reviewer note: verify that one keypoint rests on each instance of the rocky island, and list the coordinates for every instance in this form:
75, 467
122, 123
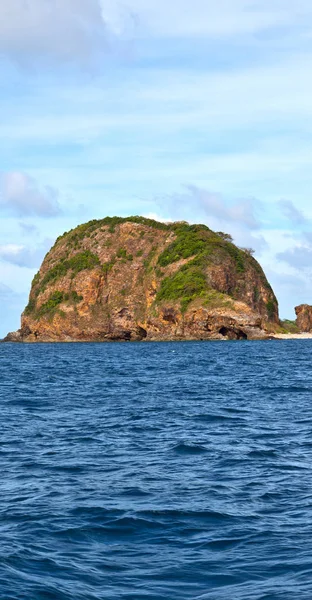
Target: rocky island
138, 279
304, 317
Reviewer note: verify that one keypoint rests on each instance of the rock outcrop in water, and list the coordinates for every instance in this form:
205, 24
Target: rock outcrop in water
304, 318
138, 279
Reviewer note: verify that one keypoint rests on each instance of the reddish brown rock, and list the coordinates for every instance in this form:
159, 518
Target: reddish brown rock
304, 317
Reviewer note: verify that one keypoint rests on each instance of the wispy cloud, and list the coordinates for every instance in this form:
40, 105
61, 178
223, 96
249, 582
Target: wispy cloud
5, 291
292, 213
24, 256
298, 253
240, 211
21, 195
213, 206
299, 257
28, 229
181, 18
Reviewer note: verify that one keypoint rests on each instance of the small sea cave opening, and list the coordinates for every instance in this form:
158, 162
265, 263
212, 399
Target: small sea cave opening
169, 315
141, 332
233, 334
224, 331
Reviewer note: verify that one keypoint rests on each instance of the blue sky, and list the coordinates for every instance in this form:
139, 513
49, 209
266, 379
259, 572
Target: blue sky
195, 110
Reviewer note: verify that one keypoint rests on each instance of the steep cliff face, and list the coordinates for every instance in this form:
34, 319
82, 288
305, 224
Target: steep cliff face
134, 279
304, 317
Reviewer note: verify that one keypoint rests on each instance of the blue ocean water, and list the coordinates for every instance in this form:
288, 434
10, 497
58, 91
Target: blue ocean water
156, 471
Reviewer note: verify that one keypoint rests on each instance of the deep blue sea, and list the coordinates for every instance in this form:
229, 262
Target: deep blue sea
156, 471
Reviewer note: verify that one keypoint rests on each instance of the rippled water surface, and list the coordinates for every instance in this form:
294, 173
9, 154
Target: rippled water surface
156, 471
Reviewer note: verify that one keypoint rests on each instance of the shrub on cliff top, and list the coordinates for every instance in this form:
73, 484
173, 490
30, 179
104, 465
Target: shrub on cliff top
86, 229
55, 299
122, 253
186, 244
188, 283
199, 241
78, 262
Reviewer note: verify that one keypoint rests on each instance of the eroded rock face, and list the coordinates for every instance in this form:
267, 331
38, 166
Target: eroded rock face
136, 279
304, 317
14, 336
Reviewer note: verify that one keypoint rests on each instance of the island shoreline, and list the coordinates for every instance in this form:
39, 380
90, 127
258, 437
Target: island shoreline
269, 337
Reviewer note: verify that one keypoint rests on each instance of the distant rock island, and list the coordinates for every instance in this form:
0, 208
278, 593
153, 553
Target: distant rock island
304, 317
138, 279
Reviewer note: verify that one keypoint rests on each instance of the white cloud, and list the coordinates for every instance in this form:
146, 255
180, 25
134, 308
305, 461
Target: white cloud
20, 194
23, 256
155, 217
34, 31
